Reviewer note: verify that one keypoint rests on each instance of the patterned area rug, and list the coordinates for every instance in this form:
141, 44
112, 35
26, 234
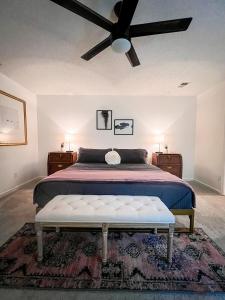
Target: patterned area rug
137, 261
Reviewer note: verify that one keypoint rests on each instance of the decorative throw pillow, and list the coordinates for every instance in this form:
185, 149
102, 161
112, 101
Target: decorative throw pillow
87, 155
132, 156
112, 158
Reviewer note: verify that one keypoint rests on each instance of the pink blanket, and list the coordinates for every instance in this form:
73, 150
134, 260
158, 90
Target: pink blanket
72, 174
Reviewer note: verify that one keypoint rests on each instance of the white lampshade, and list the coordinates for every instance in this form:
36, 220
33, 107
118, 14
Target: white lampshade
68, 137
121, 45
159, 139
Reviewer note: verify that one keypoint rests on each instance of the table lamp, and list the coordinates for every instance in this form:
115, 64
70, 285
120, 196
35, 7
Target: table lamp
68, 140
159, 139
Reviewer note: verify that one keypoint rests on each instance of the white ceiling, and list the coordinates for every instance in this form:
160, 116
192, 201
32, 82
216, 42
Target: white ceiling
41, 44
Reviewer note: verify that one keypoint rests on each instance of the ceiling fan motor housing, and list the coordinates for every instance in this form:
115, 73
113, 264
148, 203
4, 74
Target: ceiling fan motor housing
117, 8
121, 41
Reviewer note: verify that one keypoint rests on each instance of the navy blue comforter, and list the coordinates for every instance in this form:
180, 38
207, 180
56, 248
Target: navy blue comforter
175, 196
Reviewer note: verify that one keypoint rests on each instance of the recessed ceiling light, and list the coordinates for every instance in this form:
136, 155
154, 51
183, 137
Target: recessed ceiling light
183, 84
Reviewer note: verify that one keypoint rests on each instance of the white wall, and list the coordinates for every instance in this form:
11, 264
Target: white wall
197, 132
174, 116
210, 138
19, 163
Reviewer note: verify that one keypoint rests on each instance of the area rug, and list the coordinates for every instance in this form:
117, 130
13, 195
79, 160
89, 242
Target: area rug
137, 261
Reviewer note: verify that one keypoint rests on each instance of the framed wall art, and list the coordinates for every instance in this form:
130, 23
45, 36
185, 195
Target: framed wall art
13, 121
123, 126
104, 119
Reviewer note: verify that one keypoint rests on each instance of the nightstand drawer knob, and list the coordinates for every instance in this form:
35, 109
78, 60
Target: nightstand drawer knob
59, 166
169, 167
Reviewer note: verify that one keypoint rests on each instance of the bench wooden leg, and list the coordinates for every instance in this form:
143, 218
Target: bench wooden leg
189, 212
155, 230
39, 232
38, 209
57, 229
105, 240
192, 221
170, 243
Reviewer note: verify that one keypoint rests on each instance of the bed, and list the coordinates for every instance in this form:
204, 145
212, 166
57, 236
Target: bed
123, 179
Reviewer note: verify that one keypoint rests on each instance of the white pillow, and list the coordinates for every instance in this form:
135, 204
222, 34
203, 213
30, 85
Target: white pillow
112, 158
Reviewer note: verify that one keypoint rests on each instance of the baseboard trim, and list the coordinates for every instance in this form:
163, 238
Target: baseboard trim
188, 179
209, 186
16, 188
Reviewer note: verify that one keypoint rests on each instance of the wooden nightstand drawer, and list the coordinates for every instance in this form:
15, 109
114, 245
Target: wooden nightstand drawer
60, 156
170, 159
60, 160
173, 169
54, 167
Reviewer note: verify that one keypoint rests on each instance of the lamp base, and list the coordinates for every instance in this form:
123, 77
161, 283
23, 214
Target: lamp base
69, 151
159, 152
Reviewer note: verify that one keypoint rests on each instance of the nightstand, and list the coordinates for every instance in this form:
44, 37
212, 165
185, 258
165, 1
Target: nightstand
171, 162
60, 160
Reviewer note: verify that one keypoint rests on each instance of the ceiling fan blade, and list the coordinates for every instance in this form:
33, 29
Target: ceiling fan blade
132, 57
97, 49
85, 12
127, 10
160, 27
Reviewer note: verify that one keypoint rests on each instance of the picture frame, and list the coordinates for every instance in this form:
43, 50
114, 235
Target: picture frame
104, 119
123, 126
13, 120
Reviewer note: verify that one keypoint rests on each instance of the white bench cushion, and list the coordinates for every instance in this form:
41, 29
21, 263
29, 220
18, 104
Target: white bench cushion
105, 209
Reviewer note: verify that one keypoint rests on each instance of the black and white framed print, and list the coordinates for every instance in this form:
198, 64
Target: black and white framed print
123, 126
104, 119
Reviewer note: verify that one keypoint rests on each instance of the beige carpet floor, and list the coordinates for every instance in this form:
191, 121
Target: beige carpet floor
17, 209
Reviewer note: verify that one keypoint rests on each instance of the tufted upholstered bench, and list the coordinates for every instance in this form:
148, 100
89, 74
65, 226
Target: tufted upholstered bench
105, 211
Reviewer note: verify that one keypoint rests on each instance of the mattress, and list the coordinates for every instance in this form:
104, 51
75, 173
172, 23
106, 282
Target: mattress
124, 179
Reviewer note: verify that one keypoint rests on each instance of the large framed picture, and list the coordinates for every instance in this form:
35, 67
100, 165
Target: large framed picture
123, 126
104, 119
13, 121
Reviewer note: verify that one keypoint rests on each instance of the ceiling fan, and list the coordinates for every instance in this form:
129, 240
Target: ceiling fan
122, 31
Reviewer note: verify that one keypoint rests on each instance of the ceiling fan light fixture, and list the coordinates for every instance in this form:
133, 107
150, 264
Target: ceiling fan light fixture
121, 45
